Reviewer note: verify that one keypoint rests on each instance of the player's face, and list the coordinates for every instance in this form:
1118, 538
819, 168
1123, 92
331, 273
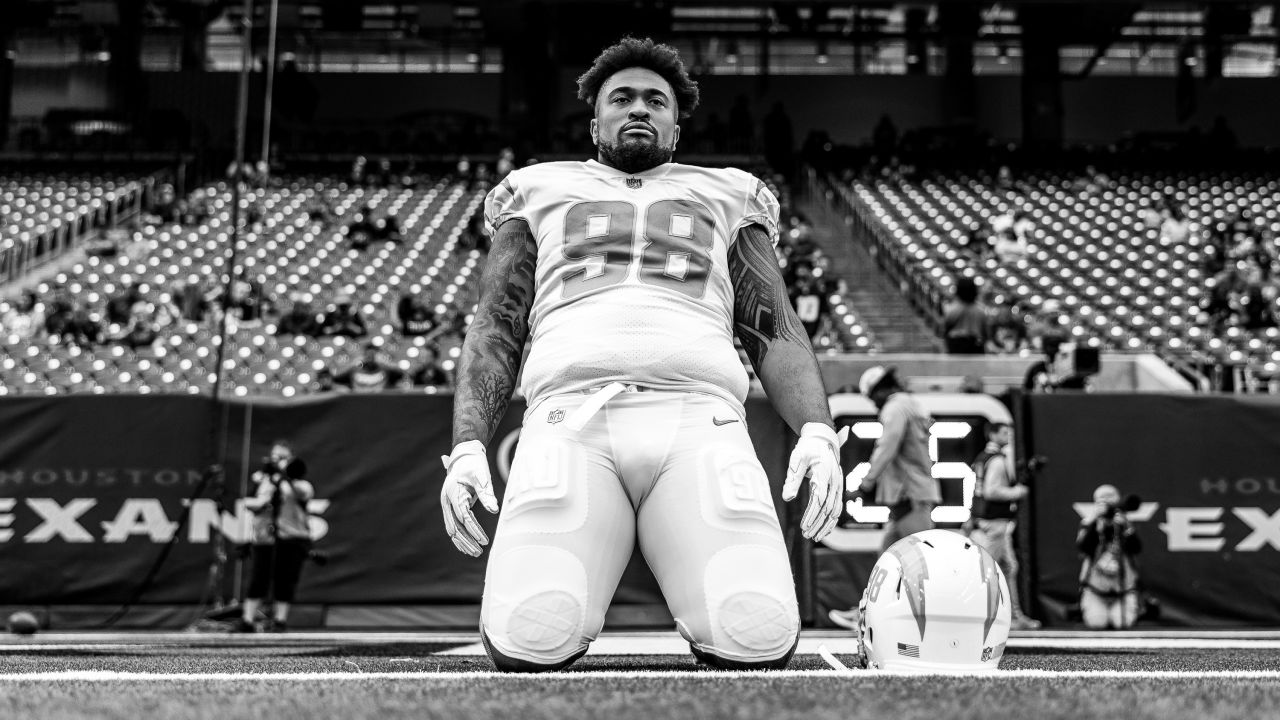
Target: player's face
635, 124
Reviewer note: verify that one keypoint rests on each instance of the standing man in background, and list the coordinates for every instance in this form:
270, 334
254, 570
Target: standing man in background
901, 472
997, 493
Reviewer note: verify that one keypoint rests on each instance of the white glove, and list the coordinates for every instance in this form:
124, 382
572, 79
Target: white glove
468, 479
817, 454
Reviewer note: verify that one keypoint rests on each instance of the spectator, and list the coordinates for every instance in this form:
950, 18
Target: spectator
361, 231
964, 324
1256, 308
1042, 375
431, 373
1009, 247
58, 315
248, 303
1108, 575
387, 229
1008, 332
166, 313
84, 330
451, 328
809, 299
300, 320
473, 236
344, 320
26, 318
120, 307
141, 333
977, 242
416, 319
1175, 229
370, 374
997, 493
191, 300
901, 472
325, 382
1047, 323
1018, 221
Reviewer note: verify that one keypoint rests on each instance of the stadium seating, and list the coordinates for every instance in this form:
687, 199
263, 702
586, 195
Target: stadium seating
1118, 283
289, 253
40, 215
286, 251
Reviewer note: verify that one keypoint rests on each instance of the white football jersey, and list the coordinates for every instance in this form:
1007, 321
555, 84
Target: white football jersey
632, 278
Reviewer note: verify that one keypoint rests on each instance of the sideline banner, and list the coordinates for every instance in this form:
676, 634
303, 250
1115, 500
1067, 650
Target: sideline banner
91, 488
1208, 472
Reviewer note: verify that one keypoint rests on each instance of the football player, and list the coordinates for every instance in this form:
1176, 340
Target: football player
629, 276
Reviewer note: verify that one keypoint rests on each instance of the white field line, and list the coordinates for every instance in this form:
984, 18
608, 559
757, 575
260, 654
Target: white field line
112, 676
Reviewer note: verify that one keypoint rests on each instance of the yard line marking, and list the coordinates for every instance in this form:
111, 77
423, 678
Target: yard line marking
1094, 675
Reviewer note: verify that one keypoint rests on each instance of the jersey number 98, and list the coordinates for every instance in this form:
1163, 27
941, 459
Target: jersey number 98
678, 237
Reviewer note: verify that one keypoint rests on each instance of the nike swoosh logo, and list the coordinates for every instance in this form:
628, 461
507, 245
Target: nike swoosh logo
717, 421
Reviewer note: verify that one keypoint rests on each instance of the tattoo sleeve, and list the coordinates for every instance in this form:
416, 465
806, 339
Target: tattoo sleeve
771, 333
492, 350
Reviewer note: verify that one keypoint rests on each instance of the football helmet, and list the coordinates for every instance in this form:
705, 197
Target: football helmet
935, 602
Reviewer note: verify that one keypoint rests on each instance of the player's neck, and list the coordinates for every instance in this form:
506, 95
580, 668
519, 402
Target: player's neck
632, 171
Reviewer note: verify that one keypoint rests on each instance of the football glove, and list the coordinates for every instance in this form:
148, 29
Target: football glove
817, 455
467, 480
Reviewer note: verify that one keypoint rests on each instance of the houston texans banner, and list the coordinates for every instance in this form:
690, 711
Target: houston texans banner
1207, 470
93, 487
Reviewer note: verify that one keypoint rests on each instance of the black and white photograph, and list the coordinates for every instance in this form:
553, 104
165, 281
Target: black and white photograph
636, 359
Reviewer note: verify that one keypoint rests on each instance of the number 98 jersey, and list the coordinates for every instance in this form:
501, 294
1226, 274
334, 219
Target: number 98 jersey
632, 277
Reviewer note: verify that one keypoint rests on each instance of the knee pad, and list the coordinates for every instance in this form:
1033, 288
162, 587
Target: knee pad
535, 606
752, 615
506, 663
723, 663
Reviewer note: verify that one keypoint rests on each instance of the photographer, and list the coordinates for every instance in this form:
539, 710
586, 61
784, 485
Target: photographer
281, 535
1108, 575
996, 495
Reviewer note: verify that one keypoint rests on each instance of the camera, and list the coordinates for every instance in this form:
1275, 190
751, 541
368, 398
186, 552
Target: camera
1129, 504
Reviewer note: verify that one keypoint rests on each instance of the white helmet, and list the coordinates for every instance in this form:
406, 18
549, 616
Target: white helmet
935, 602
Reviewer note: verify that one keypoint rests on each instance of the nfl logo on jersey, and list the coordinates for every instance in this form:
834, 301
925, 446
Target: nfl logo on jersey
634, 183
555, 416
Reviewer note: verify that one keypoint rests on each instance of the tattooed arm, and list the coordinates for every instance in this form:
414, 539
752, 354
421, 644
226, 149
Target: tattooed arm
783, 357
493, 347
772, 335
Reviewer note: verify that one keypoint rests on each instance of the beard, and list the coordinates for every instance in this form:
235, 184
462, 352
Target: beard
633, 156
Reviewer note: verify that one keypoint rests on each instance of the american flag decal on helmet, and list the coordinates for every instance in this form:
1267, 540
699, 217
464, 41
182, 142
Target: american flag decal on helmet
911, 651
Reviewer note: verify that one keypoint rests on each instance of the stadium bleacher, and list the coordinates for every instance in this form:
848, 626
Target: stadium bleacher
288, 252
1119, 283
42, 214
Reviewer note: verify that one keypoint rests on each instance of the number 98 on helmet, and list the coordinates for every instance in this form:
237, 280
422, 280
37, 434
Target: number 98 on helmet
935, 602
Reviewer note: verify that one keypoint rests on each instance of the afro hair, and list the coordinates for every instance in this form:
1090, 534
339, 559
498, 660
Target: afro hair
632, 52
